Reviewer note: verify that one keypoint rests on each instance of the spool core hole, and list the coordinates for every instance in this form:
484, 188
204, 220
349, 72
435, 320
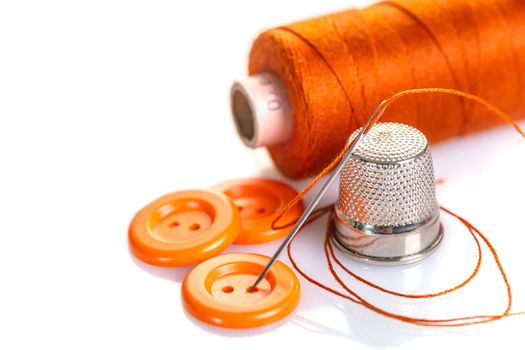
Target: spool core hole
243, 115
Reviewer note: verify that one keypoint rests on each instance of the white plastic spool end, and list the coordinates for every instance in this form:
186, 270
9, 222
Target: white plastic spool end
261, 110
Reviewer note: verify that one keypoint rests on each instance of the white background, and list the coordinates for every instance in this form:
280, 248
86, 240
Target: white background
106, 105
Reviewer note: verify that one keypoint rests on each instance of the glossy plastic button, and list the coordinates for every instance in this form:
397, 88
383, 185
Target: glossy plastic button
259, 202
217, 291
184, 228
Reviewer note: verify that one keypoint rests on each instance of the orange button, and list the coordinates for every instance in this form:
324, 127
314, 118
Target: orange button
217, 291
183, 228
259, 202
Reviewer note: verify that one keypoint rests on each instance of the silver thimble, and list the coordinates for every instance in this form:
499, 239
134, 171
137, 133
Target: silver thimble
387, 210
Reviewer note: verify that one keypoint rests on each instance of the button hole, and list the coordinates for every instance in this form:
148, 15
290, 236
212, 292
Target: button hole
227, 289
194, 227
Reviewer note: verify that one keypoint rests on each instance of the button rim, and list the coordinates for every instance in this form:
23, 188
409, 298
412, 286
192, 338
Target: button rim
202, 305
225, 228
252, 233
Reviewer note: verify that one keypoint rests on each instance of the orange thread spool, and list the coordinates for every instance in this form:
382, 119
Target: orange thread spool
337, 68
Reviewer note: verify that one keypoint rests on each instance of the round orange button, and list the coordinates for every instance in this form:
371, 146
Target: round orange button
183, 228
217, 291
259, 202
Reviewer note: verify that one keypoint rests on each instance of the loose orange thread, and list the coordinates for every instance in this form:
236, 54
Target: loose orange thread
356, 298
331, 257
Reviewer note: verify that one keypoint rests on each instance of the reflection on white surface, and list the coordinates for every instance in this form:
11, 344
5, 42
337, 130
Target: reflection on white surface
412, 278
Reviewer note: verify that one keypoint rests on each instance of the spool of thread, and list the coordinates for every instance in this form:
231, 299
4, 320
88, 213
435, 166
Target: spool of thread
312, 83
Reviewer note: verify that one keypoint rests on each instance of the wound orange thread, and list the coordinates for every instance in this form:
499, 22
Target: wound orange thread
338, 67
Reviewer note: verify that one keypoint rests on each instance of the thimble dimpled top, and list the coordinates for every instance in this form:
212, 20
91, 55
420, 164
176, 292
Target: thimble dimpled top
387, 209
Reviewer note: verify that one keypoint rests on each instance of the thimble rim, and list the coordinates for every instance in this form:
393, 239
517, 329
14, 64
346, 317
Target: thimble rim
367, 229
388, 260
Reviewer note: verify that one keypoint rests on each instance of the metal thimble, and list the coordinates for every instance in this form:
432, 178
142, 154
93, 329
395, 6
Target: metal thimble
387, 210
